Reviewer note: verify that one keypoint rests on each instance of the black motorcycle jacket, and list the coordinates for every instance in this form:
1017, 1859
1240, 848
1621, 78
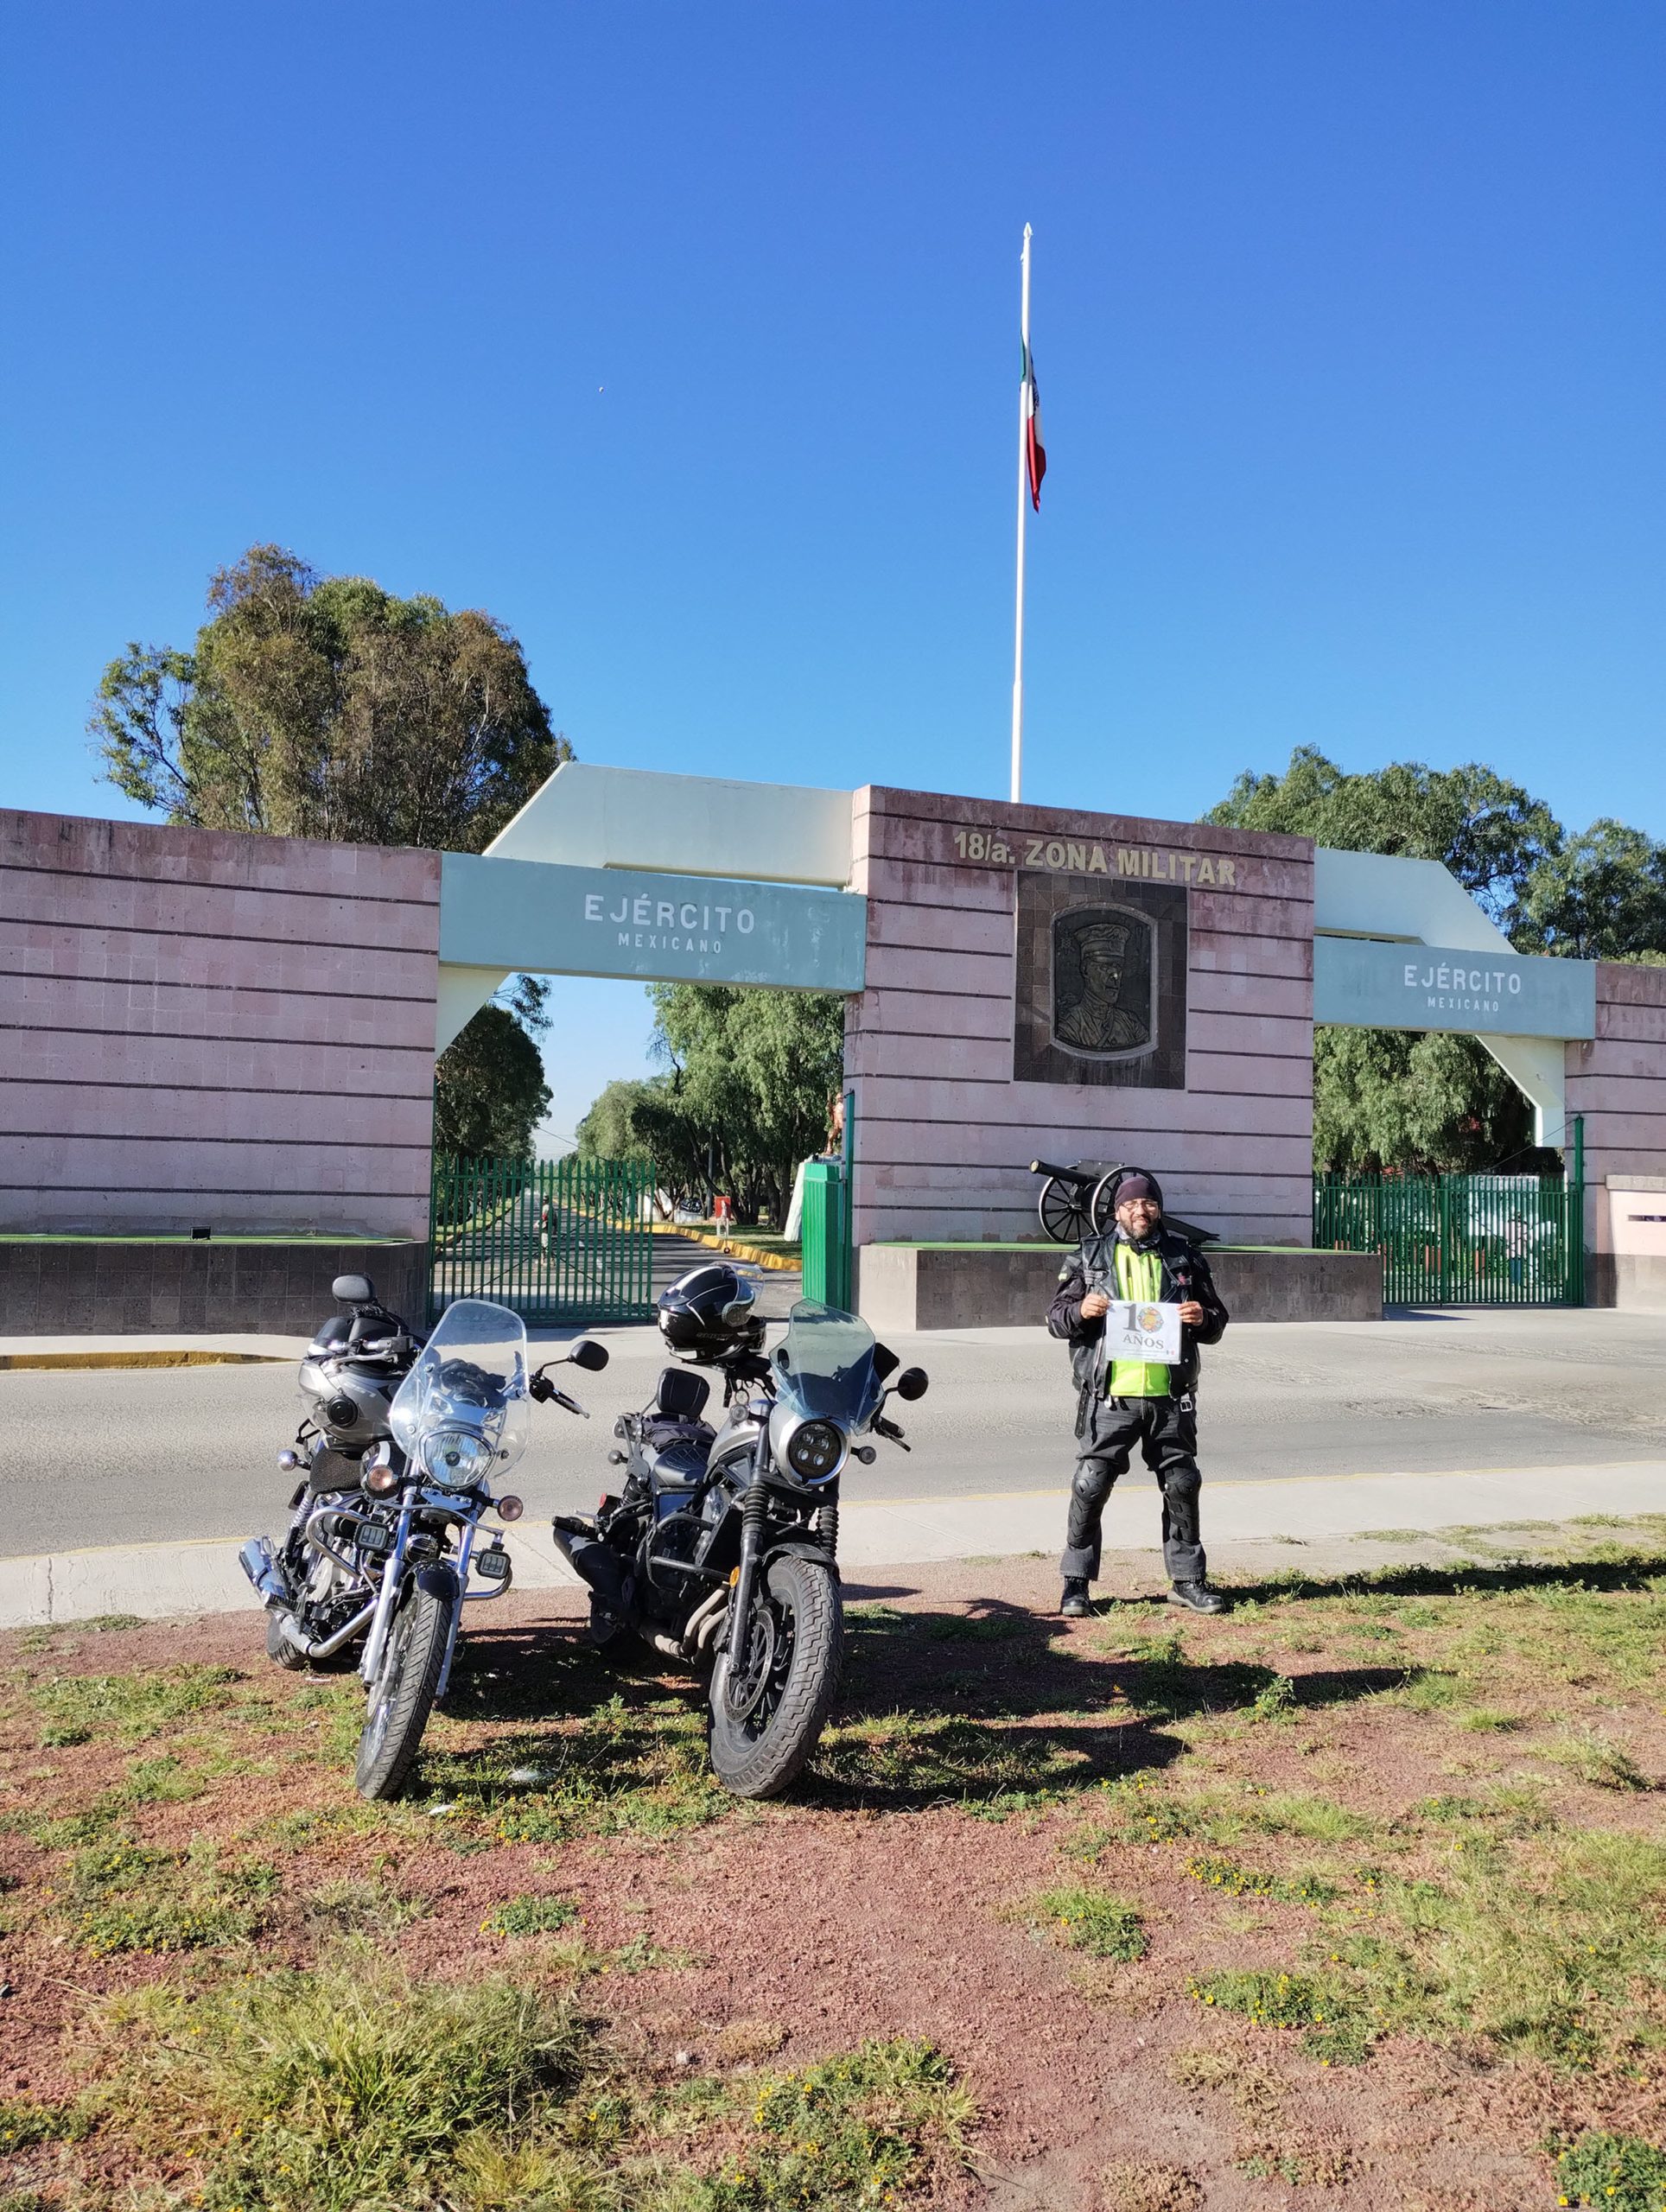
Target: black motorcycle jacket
1092, 1266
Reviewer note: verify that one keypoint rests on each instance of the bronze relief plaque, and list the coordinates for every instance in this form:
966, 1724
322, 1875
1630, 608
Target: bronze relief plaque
1100, 991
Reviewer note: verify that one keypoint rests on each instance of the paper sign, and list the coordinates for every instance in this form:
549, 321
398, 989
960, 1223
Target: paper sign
1134, 1330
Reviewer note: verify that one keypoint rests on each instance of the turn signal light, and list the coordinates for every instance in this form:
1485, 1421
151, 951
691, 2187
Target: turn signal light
511, 1508
378, 1481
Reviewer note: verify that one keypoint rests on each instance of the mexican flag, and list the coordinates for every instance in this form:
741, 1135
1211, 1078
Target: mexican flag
1035, 454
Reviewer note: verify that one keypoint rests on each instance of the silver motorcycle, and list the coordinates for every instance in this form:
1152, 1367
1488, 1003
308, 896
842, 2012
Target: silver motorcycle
395, 1558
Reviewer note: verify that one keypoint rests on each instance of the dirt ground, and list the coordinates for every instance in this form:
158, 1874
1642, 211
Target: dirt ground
1074, 1857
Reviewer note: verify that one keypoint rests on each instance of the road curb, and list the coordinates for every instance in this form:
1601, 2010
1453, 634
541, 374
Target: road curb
16, 1362
1389, 1515
732, 1248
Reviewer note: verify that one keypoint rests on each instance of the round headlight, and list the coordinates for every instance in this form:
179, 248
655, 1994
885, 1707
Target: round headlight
815, 1450
456, 1459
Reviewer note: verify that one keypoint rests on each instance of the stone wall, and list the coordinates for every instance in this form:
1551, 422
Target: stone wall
208, 1030
945, 1132
1617, 1081
904, 1286
97, 1287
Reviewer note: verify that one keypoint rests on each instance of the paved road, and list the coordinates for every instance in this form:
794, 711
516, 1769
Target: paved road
133, 1457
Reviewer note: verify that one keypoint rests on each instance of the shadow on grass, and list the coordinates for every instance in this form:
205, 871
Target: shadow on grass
992, 1709
1633, 1571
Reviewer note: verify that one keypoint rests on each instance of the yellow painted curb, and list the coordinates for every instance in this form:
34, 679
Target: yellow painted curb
12, 1361
728, 1245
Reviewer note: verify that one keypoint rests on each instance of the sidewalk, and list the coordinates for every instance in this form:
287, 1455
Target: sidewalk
1324, 1523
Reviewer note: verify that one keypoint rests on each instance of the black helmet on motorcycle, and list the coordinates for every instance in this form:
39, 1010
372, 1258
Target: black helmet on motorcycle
707, 1313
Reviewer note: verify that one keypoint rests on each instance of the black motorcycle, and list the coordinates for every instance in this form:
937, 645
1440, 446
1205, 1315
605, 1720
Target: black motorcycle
721, 1548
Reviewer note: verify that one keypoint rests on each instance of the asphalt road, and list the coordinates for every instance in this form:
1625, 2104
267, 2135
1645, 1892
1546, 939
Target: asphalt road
130, 1457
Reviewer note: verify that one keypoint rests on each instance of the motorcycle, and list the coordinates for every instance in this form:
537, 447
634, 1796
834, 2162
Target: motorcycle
385, 1550
722, 1549
349, 1374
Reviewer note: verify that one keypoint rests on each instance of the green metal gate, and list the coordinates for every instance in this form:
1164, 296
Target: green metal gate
1460, 1240
557, 1240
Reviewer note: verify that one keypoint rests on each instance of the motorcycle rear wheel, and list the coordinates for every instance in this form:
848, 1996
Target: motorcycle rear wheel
402, 1697
762, 1751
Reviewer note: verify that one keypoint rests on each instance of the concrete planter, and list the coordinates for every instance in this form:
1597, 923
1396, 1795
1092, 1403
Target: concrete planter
902, 1287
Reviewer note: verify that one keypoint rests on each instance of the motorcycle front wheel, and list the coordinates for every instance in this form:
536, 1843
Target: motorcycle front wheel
770, 1700
402, 1696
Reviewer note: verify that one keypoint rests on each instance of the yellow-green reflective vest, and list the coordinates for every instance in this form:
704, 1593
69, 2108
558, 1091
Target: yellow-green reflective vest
1140, 1276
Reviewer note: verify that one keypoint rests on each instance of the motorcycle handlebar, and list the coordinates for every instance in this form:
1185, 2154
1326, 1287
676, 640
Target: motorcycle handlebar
541, 1388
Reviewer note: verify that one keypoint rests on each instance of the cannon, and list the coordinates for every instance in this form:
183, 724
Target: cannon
1080, 1201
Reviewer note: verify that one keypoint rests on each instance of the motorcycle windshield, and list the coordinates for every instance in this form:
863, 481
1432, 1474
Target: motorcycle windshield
825, 1366
462, 1414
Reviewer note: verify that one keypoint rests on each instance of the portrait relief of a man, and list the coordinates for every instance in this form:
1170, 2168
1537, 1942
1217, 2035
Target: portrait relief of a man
1101, 982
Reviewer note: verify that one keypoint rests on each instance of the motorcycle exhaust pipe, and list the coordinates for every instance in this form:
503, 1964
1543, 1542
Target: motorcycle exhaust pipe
322, 1647
261, 1565
705, 1622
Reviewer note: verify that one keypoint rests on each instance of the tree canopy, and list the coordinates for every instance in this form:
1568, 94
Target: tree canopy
743, 1097
1391, 1098
1490, 833
324, 707
489, 1090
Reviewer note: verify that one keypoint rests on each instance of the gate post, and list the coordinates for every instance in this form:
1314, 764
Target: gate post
1575, 1276
826, 1234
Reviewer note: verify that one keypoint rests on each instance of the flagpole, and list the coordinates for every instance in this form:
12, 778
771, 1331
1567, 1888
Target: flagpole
1023, 498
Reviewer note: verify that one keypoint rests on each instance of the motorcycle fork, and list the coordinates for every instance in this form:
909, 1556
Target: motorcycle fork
392, 1577
754, 1512
465, 1551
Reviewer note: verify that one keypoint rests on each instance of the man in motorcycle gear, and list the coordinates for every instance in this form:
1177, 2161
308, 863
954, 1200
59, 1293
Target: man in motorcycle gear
1121, 1403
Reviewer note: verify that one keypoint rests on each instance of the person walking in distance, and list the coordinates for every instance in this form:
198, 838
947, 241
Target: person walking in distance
1122, 1403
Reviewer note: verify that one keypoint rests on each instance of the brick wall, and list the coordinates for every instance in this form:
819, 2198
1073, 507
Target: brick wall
207, 1029
944, 1134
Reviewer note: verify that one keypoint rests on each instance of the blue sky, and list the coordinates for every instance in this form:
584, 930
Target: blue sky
682, 338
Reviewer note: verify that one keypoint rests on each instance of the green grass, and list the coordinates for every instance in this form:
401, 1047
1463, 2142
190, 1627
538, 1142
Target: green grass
915, 1757
359, 2085
529, 1916
1088, 1920
634, 1764
1238, 1881
75, 1708
1620, 2172
857, 2131
25, 2124
1334, 2029
127, 1897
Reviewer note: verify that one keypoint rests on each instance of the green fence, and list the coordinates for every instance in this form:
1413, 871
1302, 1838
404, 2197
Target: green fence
557, 1240
1460, 1240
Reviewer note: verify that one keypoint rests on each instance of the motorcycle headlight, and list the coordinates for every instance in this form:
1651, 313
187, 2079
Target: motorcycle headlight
457, 1458
815, 1451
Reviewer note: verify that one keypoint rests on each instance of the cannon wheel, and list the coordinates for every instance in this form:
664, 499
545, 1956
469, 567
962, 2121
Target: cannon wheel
1064, 1210
1103, 1205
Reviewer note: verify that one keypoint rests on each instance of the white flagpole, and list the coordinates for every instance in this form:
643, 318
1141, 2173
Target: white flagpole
1023, 498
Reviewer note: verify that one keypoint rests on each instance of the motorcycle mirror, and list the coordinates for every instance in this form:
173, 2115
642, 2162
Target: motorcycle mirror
354, 1290
591, 1356
912, 1382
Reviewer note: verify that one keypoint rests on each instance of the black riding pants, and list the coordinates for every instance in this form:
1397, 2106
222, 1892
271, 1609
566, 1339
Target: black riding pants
1166, 1430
